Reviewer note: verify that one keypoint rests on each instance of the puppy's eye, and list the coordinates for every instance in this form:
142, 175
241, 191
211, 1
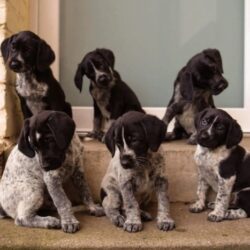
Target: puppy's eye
220, 127
204, 122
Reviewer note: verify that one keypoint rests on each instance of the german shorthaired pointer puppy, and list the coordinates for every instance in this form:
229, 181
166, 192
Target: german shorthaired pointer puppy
48, 153
194, 87
111, 96
223, 165
30, 58
136, 170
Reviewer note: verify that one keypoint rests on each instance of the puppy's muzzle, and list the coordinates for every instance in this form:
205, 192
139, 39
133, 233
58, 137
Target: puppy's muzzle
127, 161
104, 80
15, 65
52, 164
206, 140
220, 84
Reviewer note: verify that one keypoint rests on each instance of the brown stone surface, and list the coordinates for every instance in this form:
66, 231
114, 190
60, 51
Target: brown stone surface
193, 231
181, 169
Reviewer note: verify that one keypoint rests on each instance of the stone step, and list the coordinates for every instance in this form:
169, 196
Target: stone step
181, 169
193, 231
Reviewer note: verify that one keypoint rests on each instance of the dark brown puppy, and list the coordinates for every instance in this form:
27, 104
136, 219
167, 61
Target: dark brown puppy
111, 96
194, 87
30, 58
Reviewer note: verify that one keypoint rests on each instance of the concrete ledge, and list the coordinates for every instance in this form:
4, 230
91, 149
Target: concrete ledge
181, 169
193, 231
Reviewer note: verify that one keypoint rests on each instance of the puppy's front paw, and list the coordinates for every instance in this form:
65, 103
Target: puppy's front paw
215, 217
197, 207
70, 226
132, 227
166, 225
118, 221
96, 210
192, 140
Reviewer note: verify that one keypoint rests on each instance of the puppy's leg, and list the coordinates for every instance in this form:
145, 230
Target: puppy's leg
222, 199
69, 223
133, 216
2, 213
81, 184
202, 189
164, 220
112, 206
26, 213
243, 206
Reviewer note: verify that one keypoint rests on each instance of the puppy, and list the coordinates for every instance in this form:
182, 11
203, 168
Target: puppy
194, 87
111, 96
30, 58
223, 165
48, 153
135, 171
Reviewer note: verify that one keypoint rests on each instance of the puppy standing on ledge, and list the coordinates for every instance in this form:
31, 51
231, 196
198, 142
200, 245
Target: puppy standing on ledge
135, 172
48, 153
111, 96
223, 165
194, 88
30, 58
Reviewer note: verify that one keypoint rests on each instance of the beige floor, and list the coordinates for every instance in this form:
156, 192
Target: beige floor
193, 231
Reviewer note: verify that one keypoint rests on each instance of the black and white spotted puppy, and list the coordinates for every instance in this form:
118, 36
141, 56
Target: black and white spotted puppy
48, 153
223, 165
30, 58
194, 87
111, 96
136, 170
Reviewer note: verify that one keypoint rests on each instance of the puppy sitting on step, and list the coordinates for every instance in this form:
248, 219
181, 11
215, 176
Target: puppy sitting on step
223, 165
48, 153
135, 172
194, 88
30, 58
111, 96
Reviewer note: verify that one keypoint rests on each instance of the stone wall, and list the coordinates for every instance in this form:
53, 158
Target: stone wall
14, 17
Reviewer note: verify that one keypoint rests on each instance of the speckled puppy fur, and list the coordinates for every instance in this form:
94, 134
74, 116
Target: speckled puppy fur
25, 182
223, 165
131, 178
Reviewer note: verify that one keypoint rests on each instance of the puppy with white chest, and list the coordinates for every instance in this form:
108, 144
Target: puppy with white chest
136, 170
47, 155
111, 96
223, 165
194, 87
30, 58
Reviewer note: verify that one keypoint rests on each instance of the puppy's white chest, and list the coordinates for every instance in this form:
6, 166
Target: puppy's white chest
102, 100
186, 119
209, 161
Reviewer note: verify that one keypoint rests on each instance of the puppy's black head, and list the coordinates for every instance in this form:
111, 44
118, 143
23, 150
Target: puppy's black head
47, 134
25, 51
132, 135
216, 128
204, 71
98, 66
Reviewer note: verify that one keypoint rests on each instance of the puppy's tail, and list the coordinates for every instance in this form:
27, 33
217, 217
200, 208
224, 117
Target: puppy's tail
79, 77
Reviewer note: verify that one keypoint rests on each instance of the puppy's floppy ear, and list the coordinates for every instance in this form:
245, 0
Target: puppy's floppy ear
5, 47
155, 130
23, 142
109, 139
234, 134
199, 116
108, 55
62, 128
186, 85
78, 79
45, 55
215, 56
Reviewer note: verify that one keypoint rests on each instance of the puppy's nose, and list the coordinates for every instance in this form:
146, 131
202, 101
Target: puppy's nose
204, 135
104, 79
126, 161
15, 64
